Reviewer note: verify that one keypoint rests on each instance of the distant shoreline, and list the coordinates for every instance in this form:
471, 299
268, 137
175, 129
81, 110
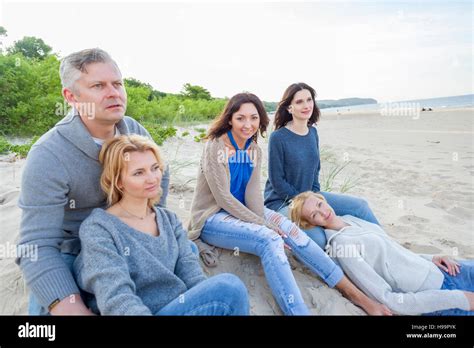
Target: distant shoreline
445, 103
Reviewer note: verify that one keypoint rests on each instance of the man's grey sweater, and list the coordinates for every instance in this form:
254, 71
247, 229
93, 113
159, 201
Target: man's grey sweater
131, 272
60, 187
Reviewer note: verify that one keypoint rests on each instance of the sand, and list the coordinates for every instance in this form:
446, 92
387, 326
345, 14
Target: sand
416, 172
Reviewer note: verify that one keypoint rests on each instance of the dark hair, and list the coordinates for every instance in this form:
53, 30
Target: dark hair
221, 123
282, 116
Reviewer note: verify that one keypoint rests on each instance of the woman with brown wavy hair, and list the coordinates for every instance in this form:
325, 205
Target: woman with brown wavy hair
228, 211
294, 163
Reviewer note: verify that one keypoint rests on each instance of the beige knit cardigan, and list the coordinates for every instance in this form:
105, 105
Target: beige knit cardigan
212, 192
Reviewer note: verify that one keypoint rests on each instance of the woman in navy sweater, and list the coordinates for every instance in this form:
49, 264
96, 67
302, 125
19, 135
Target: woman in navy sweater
294, 162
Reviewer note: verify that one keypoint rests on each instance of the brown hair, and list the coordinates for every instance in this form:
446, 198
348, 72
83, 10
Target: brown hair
221, 123
296, 208
112, 157
283, 116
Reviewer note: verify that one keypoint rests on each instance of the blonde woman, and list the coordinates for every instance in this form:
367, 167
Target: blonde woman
136, 258
406, 282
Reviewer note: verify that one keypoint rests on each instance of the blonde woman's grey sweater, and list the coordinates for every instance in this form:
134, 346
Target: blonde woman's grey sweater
59, 189
406, 282
133, 273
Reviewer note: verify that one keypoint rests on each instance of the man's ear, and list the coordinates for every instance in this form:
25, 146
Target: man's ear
69, 96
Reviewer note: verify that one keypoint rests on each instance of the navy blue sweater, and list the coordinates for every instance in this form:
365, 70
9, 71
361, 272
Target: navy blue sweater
293, 166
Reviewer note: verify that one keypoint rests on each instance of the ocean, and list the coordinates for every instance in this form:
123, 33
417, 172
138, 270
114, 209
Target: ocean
458, 101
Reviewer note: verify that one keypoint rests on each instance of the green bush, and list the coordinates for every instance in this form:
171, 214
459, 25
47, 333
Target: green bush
30, 91
200, 137
160, 133
171, 109
19, 150
4, 146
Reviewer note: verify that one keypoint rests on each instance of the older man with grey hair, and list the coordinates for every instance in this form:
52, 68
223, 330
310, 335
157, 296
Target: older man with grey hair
61, 179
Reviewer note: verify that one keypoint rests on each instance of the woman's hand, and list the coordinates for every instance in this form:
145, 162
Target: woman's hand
281, 233
447, 264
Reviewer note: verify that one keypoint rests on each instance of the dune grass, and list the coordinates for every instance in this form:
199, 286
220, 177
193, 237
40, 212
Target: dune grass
331, 175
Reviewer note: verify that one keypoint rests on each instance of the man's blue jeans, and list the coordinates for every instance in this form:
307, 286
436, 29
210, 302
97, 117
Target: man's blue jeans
34, 308
225, 231
342, 205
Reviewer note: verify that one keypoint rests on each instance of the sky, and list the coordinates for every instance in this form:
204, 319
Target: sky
387, 50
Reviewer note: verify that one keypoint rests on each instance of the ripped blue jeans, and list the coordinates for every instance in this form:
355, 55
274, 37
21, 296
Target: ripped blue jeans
225, 231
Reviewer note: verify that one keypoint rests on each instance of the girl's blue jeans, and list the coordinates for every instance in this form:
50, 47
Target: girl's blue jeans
225, 231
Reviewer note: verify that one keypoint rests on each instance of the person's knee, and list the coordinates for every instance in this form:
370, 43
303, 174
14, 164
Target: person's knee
228, 282
318, 236
272, 247
232, 289
270, 241
363, 211
362, 206
362, 203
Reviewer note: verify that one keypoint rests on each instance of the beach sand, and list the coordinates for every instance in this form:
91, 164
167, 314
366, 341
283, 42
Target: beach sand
415, 171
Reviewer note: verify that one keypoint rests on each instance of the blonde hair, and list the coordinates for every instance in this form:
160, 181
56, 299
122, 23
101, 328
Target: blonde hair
296, 208
112, 157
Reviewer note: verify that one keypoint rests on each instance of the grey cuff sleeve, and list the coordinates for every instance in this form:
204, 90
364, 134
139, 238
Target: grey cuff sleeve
56, 284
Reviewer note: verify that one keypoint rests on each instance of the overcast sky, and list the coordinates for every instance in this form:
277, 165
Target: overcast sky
385, 50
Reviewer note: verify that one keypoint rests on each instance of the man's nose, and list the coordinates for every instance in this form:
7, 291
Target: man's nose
112, 91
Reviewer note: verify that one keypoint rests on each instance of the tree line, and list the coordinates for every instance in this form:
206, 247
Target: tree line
31, 100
